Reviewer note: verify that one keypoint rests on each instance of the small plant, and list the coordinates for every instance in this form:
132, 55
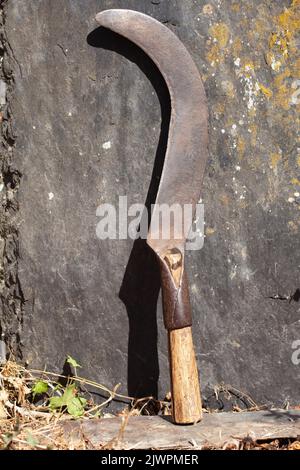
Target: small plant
61, 398
73, 362
39, 388
70, 400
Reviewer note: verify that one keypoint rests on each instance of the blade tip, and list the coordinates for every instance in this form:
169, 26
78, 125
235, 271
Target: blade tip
106, 18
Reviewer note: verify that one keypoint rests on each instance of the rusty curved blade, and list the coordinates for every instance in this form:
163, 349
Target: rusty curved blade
187, 152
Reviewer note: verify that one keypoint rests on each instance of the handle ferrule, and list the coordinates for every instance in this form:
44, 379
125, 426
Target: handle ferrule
175, 292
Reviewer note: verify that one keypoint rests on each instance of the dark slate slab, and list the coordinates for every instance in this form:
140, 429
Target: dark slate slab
96, 300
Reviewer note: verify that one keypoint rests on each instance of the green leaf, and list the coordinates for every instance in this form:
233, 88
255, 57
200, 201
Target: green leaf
69, 393
56, 402
60, 402
76, 406
39, 388
73, 362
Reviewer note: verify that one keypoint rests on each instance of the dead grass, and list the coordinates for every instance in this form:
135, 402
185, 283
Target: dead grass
25, 424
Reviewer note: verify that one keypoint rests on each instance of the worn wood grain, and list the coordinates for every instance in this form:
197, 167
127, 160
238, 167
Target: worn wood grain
186, 401
215, 430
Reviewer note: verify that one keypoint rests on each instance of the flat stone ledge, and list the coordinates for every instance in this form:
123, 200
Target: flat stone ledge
155, 432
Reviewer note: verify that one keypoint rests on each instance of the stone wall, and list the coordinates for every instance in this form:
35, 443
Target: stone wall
81, 125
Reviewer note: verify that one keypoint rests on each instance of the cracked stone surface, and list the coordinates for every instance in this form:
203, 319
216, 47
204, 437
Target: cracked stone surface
87, 123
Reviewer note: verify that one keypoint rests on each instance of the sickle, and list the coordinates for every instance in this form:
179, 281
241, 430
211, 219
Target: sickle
180, 184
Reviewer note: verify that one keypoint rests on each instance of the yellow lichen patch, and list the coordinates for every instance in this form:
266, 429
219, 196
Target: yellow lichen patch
209, 231
224, 199
236, 47
219, 109
253, 128
236, 7
220, 32
266, 91
214, 55
248, 65
220, 35
241, 146
282, 97
230, 121
295, 67
289, 19
272, 40
208, 9
272, 62
274, 160
254, 161
283, 91
252, 112
295, 181
228, 87
293, 227
282, 43
242, 204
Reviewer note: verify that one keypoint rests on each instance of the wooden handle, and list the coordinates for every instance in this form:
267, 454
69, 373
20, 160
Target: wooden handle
185, 389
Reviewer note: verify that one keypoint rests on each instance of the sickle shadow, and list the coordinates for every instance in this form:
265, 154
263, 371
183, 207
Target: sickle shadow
141, 283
